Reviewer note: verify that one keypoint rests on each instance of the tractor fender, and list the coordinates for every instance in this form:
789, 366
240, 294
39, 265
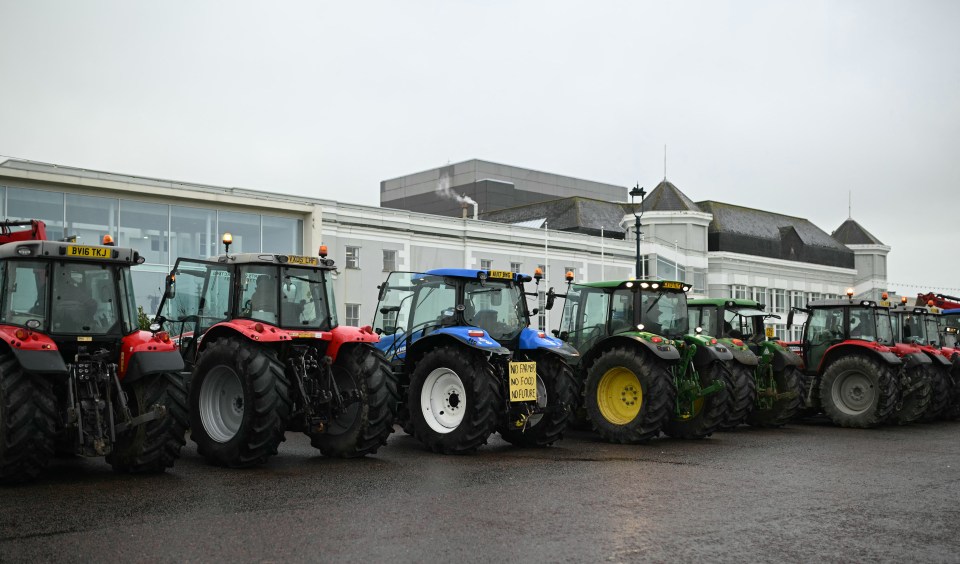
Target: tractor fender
663, 351
912, 360
37, 353
149, 363
449, 335
873, 350
341, 335
783, 358
940, 359
707, 354
143, 353
259, 331
743, 355
534, 340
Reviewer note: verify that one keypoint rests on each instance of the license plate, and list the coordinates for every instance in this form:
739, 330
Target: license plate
770, 332
672, 285
501, 274
302, 260
523, 381
88, 252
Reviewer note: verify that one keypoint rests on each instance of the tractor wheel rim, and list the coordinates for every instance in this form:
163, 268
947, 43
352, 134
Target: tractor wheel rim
854, 392
443, 400
221, 404
619, 395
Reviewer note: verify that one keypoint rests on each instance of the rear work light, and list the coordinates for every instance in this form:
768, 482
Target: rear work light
475, 333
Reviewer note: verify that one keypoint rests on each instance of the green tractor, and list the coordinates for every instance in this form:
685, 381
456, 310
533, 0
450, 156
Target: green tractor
774, 382
641, 372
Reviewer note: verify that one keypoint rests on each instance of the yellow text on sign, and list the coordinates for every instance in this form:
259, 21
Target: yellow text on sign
88, 252
523, 381
770, 332
672, 285
293, 259
501, 274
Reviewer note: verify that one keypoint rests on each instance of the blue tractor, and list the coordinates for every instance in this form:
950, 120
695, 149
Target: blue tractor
468, 362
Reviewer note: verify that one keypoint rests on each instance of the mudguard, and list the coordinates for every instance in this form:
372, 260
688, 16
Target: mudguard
873, 349
532, 340
915, 359
938, 359
40, 362
261, 332
36, 353
707, 353
148, 363
342, 335
458, 335
743, 355
783, 358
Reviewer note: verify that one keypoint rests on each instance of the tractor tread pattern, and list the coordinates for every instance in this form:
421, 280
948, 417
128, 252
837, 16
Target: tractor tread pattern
740, 380
711, 415
884, 379
154, 446
28, 425
939, 394
784, 410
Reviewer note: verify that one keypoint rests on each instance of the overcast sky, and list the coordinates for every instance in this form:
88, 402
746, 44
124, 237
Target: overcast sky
784, 106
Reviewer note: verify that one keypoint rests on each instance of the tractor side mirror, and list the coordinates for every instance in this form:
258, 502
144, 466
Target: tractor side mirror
790, 319
388, 330
382, 291
169, 287
551, 298
535, 311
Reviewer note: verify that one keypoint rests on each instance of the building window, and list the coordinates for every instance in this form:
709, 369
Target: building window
699, 281
778, 299
515, 267
644, 266
486, 264
245, 229
353, 315
738, 292
543, 270
758, 295
542, 311
283, 235
796, 299
353, 257
389, 260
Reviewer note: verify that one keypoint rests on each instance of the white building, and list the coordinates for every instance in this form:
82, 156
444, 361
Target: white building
166, 219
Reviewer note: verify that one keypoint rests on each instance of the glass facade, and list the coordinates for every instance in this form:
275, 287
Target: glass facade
161, 233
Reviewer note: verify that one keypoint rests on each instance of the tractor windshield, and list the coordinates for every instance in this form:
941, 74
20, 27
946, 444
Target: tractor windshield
497, 307
413, 302
290, 297
85, 299
25, 295
203, 294
585, 313
746, 323
869, 324
933, 332
663, 313
912, 329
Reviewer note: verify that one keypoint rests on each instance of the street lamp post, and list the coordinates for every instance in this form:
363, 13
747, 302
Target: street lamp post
637, 212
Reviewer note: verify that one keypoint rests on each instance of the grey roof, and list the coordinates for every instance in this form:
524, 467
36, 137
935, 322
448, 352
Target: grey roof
852, 233
583, 215
667, 197
761, 233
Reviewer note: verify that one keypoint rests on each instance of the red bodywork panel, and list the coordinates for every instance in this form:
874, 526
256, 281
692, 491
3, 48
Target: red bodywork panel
876, 347
267, 333
32, 341
903, 349
36, 232
142, 341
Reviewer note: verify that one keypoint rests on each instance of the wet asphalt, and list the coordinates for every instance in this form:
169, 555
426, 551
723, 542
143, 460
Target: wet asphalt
803, 493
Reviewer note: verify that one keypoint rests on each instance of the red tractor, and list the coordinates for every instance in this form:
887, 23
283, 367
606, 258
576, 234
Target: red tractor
849, 370
919, 327
77, 375
259, 332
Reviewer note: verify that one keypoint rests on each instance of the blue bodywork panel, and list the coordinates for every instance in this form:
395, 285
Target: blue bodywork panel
469, 273
395, 346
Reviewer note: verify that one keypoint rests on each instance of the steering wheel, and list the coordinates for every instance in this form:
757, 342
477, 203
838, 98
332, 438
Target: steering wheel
247, 309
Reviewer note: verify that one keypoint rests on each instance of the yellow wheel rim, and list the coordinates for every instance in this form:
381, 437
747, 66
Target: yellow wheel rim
619, 396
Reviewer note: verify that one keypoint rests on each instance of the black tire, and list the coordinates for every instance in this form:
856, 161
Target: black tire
783, 410
560, 389
155, 445
710, 414
939, 394
914, 404
742, 385
952, 413
362, 427
810, 404
28, 415
479, 408
264, 408
858, 391
610, 406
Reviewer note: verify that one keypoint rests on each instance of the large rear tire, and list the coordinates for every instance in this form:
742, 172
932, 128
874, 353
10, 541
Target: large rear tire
627, 396
740, 381
706, 414
914, 404
28, 414
939, 394
785, 409
556, 390
362, 427
454, 400
239, 403
858, 391
155, 445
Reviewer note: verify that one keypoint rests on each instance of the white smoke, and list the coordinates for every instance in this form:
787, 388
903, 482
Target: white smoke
444, 191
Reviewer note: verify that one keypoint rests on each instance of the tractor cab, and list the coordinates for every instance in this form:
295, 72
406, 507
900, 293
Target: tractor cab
597, 310
732, 319
949, 324
258, 293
